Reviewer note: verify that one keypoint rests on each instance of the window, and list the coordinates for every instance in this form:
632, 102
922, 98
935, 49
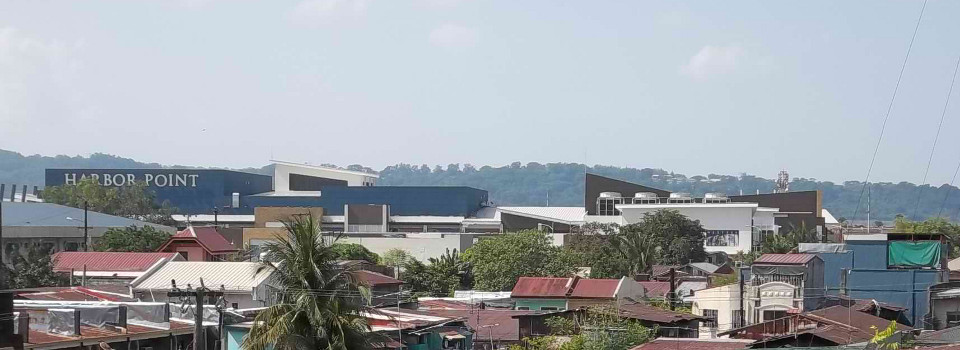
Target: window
712, 316
773, 315
549, 308
723, 238
737, 314
184, 254
235, 306
71, 246
607, 206
953, 318
523, 308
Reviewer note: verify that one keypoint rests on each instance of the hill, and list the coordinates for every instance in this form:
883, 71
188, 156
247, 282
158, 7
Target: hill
561, 184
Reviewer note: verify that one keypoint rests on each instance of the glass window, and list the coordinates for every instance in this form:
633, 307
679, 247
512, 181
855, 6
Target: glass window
712, 316
773, 315
723, 238
737, 314
953, 318
71, 246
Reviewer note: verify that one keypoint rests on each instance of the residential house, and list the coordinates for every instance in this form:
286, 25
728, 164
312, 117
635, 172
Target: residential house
494, 328
384, 290
200, 243
832, 326
721, 307
563, 293
891, 268
944, 305
668, 323
244, 284
782, 283
91, 268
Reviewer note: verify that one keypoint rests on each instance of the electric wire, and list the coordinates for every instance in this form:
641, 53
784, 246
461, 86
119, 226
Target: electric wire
886, 116
943, 114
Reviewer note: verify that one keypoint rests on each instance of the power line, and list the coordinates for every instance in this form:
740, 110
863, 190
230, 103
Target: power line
935, 139
886, 116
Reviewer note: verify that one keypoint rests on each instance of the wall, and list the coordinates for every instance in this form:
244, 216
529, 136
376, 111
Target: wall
421, 246
537, 303
806, 205
595, 184
264, 215
904, 288
198, 193
724, 299
738, 217
426, 200
514, 223
281, 175
191, 251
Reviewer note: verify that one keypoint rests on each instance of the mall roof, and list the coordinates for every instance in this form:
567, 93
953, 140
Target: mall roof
50, 215
234, 276
785, 259
326, 168
564, 215
108, 261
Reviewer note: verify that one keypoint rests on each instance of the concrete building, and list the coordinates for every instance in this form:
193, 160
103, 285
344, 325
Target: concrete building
720, 305
245, 284
783, 283
56, 227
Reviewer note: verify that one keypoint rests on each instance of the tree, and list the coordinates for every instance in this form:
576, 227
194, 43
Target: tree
599, 253
500, 260
441, 277
34, 269
131, 239
133, 201
395, 257
354, 251
663, 237
936, 225
317, 306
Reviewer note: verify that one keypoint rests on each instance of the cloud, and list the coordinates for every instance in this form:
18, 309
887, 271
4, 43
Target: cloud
315, 12
454, 36
711, 61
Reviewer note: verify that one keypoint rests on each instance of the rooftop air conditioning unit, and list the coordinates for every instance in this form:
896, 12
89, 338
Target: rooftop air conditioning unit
679, 195
610, 195
645, 195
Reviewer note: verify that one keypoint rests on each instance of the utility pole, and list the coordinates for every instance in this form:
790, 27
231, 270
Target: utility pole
86, 228
743, 312
216, 219
673, 287
199, 341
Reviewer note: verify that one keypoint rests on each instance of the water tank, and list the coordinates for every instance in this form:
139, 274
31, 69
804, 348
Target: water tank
610, 195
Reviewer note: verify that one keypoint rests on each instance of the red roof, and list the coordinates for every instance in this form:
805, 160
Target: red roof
107, 261
440, 304
785, 259
94, 334
206, 236
542, 287
373, 279
500, 323
694, 344
72, 294
655, 289
595, 288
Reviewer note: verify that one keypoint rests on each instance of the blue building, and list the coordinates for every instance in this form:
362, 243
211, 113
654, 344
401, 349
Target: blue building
896, 271
206, 191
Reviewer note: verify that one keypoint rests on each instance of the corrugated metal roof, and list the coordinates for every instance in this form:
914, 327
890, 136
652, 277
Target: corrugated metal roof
232, 275
595, 288
542, 287
695, 344
860, 320
566, 215
373, 279
55, 215
664, 270
646, 312
785, 259
705, 266
656, 289
107, 261
206, 236
497, 324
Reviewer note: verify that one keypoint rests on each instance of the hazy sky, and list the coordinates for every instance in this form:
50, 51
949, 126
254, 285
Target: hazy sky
693, 87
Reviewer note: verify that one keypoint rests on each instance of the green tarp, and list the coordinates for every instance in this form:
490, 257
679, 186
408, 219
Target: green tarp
906, 253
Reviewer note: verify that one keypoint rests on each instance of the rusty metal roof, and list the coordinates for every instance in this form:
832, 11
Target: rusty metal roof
595, 288
107, 261
374, 279
655, 289
785, 259
694, 344
646, 312
542, 287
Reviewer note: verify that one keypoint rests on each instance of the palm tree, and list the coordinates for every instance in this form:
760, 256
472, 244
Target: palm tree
638, 248
317, 306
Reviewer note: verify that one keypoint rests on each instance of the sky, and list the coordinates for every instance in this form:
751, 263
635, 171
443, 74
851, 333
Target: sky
694, 87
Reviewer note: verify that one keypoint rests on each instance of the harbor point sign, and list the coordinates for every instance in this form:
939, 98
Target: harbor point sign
124, 179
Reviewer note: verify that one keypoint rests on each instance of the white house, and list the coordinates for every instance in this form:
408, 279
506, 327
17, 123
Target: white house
245, 284
720, 304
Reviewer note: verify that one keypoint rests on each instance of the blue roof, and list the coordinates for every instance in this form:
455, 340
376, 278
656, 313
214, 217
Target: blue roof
49, 215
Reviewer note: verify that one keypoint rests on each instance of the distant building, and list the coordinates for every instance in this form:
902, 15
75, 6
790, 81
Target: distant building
56, 227
202, 243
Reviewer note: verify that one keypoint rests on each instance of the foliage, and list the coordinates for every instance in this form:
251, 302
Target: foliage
724, 280
131, 239
34, 269
133, 201
560, 325
603, 328
597, 252
441, 277
354, 251
884, 339
787, 242
317, 306
395, 257
664, 237
663, 304
500, 260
